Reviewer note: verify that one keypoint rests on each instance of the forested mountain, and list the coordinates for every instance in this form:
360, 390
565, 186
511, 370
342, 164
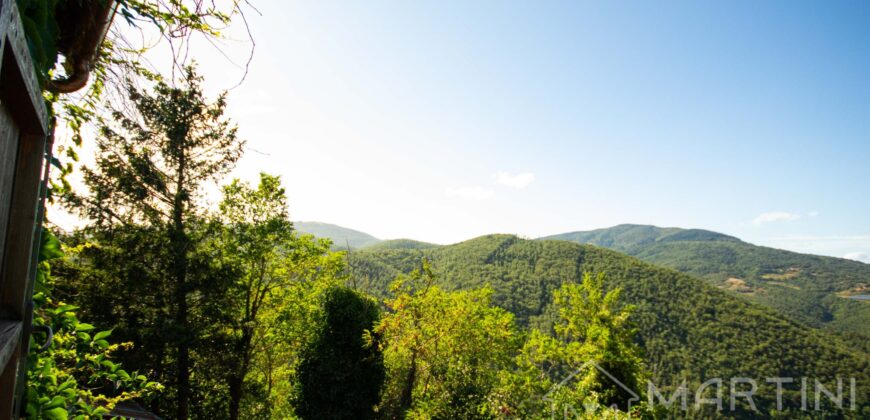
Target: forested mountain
401, 244
687, 328
627, 237
811, 289
341, 237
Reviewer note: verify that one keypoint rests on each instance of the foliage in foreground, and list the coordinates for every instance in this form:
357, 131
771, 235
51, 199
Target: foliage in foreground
77, 375
453, 354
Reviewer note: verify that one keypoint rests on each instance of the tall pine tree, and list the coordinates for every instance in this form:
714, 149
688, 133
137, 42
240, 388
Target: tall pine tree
151, 166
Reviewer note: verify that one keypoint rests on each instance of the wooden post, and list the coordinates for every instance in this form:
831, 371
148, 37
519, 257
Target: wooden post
24, 130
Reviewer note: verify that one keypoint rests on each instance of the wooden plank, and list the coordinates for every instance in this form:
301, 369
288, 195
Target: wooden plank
21, 227
4, 22
10, 336
5, 13
19, 264
8, 151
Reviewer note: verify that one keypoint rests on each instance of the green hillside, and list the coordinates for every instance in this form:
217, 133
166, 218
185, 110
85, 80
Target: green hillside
687, 328
811, 289
341, 237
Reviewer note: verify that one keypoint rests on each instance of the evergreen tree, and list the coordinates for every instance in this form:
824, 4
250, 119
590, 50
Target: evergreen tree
151, 165
342, 371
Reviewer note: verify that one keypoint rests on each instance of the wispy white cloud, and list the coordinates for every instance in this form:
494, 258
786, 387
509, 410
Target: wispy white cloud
813, 213
519, 181
775, 216
858, 256
474, 193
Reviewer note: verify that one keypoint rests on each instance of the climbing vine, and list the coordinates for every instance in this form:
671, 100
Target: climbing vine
75, 376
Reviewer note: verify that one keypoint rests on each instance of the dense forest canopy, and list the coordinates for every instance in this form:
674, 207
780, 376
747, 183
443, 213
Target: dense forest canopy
687, 328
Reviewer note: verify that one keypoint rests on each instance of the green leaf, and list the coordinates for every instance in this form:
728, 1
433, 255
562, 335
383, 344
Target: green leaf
51, 248
65, 308
84, 327
110, 365
102, 334
56, 413
100, 411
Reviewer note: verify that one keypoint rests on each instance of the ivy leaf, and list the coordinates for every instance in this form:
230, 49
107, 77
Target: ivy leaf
56, 413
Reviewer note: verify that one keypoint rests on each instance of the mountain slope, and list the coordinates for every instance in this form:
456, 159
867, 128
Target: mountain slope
341, 237
687, 328
812, 289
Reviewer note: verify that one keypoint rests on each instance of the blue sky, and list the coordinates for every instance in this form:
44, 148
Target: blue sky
441, 121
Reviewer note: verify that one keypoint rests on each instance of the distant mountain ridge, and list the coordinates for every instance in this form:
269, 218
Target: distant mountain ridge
401, 244
626, 236
343, 237
812, 289
340, 236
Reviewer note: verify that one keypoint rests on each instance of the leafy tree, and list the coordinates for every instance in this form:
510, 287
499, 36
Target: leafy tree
595, 326
443, 350
150, 168
564, 372
257, 237
257, 240
287, 328
342, 371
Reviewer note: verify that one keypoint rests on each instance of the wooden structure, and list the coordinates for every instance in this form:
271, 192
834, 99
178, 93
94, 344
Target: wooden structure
24, 147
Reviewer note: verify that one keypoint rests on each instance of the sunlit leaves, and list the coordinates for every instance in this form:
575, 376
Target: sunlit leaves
443, 350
